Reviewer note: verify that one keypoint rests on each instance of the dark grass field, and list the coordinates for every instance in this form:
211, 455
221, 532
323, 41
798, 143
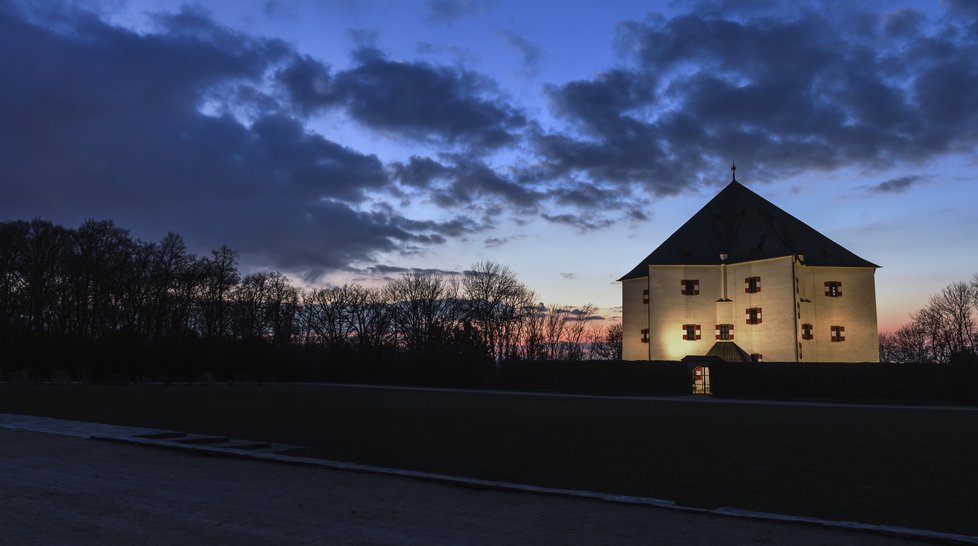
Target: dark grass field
914, 468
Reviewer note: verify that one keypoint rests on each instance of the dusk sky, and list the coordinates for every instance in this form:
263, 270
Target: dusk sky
338, 140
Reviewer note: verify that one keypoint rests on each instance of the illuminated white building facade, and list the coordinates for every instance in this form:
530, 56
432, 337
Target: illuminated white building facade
743, 280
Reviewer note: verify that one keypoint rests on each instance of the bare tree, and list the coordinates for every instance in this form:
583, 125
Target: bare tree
281, 308
425, 308
614, 335
369, 316
13, 238
554, 328
531, 335
220, 273
496, 301
327, 315
955, 303
605, 343
577, 326
943, 331
42, 269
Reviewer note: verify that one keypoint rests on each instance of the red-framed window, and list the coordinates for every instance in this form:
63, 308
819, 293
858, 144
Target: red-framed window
838, 333
752, 285
690, 287
833, 289
691, 332
754, 315
807, 331
645, 335
725, 332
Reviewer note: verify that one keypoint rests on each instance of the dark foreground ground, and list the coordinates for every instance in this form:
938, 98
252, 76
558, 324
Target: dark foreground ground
907, 467
63, 490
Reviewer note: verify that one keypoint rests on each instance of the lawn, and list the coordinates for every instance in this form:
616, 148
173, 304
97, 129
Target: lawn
914, 468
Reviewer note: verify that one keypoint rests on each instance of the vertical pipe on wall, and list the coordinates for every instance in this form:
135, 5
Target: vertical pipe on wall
795, 304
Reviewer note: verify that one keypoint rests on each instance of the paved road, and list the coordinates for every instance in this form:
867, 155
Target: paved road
68, 490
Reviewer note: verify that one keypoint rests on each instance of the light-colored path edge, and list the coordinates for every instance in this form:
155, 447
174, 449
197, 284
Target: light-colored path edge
130, 435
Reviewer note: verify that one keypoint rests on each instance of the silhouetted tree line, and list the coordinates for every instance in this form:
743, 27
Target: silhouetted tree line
94, 298
942, 332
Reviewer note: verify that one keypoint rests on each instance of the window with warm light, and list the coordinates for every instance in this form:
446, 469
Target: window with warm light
724, 332
752, 285
754, 315
833, 289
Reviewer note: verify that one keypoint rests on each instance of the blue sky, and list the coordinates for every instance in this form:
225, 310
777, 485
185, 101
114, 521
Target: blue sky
336, 140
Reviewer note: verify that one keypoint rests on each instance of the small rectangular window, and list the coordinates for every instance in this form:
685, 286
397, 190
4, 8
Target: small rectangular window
645, 335
807, 331
833, 289
645, 296
752, 285
724, 332
754, 315
756, 357
838, 333
691, 332
691, 287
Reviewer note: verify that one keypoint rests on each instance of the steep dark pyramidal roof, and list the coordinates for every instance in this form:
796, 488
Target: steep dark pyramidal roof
746, 227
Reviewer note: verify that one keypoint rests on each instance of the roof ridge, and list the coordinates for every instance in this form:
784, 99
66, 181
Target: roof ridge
744, 225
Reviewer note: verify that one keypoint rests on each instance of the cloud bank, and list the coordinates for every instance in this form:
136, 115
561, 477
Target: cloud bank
194, 127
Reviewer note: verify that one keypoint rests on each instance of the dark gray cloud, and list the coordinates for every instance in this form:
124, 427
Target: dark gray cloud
447, 11
193, 127
436, 104
308, 82
577, 221
780, 91
530, 52
456, 227
145, 129
896, 185
493, 242
473, 180
462, 181
384, 269
419, 172
457, 54
276, 9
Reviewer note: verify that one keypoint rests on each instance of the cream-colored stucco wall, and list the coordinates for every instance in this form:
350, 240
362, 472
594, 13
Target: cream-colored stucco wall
634, 316
785, 307
855, 309
774, 338
671, 309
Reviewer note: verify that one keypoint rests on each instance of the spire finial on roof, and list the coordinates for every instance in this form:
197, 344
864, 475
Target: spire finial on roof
733, 169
